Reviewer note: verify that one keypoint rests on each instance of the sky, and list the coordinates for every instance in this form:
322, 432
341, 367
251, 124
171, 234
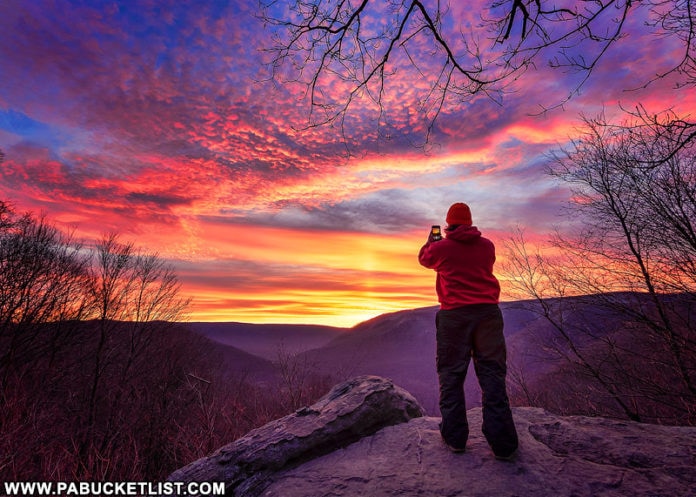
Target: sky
156, 120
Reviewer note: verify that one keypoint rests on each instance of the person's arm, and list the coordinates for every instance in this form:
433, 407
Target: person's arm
426, 257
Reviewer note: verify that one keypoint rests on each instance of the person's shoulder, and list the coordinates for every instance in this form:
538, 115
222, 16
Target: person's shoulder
483, 240
439, 245
442, 248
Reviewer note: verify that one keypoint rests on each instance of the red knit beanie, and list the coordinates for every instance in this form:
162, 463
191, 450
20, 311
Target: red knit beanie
459, 213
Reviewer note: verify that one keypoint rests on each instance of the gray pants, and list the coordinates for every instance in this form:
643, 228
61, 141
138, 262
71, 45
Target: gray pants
474, 331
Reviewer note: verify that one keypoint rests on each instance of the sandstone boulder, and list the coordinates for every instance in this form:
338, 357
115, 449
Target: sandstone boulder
369, 438
350, 411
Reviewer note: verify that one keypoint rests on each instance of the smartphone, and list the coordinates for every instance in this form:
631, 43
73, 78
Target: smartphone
435, 232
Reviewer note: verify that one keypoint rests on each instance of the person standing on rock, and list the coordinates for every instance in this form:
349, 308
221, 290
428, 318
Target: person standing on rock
469, 324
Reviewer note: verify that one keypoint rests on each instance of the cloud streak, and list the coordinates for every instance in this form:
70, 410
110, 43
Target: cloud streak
155, 120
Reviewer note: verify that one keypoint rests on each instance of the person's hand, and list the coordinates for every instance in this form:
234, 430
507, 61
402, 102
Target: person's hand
433, 238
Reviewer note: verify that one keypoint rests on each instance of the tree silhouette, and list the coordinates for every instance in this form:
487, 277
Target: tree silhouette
634, 252
347, 53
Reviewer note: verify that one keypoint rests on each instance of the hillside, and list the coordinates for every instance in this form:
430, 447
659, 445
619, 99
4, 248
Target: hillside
398, 345
401, 346
542, 367
241, 363
268, 340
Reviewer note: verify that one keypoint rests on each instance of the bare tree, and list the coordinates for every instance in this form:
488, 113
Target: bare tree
634, 251
135, 296
636, 184
42, 276
346, 54
98, 380
300, 382
111, 286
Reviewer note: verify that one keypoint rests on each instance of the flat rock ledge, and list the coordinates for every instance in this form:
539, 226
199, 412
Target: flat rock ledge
559, 456
351, 411
370, 438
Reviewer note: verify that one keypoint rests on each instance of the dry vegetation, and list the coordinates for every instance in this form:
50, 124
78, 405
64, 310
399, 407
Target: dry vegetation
632, 247
96, 381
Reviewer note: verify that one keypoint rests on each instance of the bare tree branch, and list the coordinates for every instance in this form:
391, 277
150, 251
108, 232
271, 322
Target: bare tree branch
347, 53
634, 189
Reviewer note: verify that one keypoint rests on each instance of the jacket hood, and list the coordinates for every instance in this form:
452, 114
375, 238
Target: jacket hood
463, 233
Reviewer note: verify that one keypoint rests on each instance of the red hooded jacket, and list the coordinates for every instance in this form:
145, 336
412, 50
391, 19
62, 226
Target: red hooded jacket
464, 264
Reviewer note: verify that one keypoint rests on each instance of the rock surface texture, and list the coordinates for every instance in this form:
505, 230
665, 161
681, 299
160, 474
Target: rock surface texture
350, 411
558, 456
303, 455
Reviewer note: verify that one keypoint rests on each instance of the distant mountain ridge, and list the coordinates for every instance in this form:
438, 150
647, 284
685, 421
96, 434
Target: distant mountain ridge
268, 340
401, 346
398, 345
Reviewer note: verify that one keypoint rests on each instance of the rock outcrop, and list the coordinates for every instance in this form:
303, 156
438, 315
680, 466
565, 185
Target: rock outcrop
558, 457
350, 411
396, 451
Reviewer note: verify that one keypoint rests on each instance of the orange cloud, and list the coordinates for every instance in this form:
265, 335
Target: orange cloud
160, 126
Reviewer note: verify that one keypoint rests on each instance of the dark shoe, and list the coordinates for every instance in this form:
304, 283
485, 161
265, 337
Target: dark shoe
448, 445
506, 457
454, 449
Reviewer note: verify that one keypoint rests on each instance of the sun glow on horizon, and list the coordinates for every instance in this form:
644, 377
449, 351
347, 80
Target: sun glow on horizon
331, 278
318, 312
166, 132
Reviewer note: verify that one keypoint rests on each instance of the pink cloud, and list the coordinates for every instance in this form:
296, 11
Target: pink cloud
155, 122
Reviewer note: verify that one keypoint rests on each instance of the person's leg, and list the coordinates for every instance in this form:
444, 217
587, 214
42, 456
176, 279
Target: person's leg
489, 354
453, 357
